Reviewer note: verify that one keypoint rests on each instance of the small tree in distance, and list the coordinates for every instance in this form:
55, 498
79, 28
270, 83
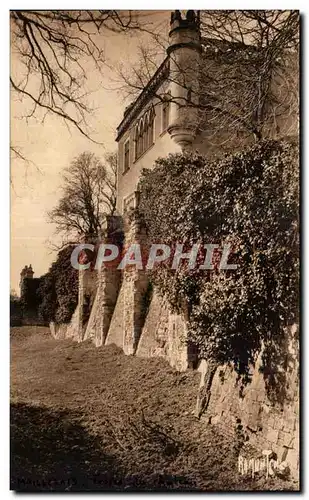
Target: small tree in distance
89, 194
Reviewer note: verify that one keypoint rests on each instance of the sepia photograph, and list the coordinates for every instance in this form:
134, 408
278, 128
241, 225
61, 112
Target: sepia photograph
155, 250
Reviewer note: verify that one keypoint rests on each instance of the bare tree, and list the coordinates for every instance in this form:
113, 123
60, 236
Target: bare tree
52, 47
250, 70
89, 194
248, 75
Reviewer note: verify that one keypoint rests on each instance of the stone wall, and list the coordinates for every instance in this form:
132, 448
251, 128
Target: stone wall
117, 307
100, 289
115, 332
164, 335
28, 304
134, 288
103, 306
75, 329
120, 315
267, 421
153, 341
67, 331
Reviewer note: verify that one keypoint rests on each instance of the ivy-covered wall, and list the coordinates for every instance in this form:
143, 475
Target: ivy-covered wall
242, 323
248, 200
58, 291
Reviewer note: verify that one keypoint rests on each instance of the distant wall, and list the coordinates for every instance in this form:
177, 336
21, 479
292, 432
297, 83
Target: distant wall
29, 302
24, 310
16, 314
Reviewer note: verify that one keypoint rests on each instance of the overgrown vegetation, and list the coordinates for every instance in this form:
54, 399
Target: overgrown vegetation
16, 313
30, 299
250, 201
58, 290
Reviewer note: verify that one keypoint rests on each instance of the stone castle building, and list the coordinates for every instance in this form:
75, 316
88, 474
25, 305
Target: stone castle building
28, 285
29, 300
165, 118
168, 116
26, 273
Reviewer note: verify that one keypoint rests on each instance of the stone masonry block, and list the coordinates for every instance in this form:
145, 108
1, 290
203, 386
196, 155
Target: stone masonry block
286, 439
293, 459
289, 424
279, 424
254, 417
261, 396
272, 435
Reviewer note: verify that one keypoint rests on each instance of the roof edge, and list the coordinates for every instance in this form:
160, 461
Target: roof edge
146, 94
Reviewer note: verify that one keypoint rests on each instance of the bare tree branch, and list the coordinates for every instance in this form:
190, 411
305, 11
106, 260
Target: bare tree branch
89, 194
52, 47
248, 75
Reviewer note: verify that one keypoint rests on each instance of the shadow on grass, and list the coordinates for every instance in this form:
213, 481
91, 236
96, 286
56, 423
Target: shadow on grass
52, 451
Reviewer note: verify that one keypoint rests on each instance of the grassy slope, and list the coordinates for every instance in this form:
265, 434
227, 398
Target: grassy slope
93, 419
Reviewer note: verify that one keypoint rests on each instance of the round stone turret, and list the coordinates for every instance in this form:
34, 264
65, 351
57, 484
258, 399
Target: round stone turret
184, 51
27, 272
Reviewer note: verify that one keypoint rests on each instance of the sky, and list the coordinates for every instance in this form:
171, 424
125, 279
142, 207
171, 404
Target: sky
50, 147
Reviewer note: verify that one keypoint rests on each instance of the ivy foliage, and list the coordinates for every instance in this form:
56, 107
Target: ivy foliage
58, 290
249, 200
30, 299
16, 311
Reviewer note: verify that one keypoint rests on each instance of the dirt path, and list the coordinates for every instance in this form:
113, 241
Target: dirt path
93, 419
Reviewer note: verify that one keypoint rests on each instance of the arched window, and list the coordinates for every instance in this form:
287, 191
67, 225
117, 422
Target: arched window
140, 138
136, 133
151, 127
137, 142
126, 165
143, 135
166, 111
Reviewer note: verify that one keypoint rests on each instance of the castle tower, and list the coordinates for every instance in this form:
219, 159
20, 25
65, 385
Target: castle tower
184, 51
27, 272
